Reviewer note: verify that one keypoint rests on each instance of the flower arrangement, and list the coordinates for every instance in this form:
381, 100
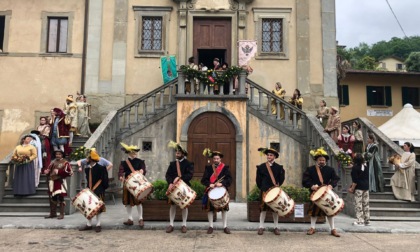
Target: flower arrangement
211, 77
344, 158
79, 153
21, 159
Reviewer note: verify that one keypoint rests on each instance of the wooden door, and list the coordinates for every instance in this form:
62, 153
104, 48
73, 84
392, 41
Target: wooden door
215, 131
212, 33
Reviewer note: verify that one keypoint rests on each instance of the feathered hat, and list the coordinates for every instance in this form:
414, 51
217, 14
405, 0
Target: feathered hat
209, 153
128, 149
93, 155
265, 151
320, 152
177, 147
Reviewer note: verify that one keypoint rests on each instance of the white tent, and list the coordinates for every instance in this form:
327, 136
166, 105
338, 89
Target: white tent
404, 126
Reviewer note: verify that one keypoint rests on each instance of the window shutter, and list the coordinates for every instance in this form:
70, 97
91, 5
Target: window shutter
388, 96
405, 93
369, 95
345, 95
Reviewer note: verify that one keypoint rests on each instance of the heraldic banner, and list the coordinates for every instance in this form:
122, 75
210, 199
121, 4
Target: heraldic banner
168, 65
247, 50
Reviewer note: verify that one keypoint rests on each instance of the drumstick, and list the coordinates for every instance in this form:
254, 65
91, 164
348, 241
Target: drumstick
220, 180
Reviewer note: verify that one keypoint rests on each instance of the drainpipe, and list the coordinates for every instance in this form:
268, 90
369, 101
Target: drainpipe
85, 37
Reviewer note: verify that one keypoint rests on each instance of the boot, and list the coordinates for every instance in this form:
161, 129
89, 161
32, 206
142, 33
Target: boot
62, 206
53, 210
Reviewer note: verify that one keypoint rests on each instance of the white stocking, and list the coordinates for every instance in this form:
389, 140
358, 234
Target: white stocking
276, 220
184, 216
210, 217
172, 213
71, 137
129, 212
262, 218
313, 221
89, 223
140, 211
224, 218
98, 220
331, 222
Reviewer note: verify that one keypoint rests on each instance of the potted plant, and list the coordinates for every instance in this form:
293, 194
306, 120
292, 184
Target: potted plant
156, 207
301, 196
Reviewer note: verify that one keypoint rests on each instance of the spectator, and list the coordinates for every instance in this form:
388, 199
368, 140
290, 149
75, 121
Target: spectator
279, 92
45, 129
360, 177
297, 101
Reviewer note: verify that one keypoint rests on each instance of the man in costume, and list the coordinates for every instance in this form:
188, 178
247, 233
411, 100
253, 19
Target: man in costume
131, 164
71, 117
181, 168
97, 177
216, 175
59, 129
333, 124
83, 163
269, 174
57, 172
314, 177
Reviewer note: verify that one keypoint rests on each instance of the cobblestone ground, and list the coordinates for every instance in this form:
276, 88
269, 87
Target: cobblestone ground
131, 240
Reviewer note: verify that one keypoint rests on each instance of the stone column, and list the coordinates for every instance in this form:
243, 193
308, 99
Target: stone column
3, 169
242, 82
181, 83
71, 188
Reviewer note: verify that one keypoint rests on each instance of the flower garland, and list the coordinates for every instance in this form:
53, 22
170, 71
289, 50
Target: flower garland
344, 158
79, 153
211, 77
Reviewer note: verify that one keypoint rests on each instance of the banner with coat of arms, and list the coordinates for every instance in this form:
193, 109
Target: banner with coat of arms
168, 66
247, 50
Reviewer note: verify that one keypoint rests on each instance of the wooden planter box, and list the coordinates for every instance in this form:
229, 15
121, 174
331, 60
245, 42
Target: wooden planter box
253, 214
158, 210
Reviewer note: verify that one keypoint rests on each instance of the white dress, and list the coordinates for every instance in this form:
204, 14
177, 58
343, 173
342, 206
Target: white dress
403, 181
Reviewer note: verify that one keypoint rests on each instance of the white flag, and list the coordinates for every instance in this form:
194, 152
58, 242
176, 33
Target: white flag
247, 50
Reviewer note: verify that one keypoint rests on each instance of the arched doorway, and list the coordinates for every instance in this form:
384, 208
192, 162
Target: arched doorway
215, 131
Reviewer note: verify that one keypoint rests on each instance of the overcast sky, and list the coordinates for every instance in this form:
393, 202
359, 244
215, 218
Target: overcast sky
371, 21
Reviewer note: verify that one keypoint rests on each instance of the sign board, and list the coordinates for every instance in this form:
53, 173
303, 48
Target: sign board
379, 112
299, 211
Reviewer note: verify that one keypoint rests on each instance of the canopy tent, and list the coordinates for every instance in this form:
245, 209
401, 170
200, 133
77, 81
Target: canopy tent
404, 126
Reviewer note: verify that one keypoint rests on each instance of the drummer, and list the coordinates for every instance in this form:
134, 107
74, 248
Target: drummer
126, 167
97, 177
186, 171
216, 175
315, 176
269, 174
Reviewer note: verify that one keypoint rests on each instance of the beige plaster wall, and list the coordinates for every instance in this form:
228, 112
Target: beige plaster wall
358, 100
390, 64
261, 135
105, 68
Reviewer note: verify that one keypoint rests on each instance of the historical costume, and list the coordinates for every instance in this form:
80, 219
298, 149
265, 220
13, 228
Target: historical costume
71, 116
131, 164
191, 65
322, 113
24, 156
315, 176
44, 133
57, 173
376, 177
269, 174
83, 163
59, 129
296, 101
358, 146
97, 177
36, 142
215, 175
183, 169
333, 124
360, 177
83, 117
403, 181
279, 92
346, 140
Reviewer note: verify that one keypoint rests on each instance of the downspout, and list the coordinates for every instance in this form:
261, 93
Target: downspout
85, 38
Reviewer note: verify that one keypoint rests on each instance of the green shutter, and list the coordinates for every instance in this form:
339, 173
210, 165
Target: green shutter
405, 93
388, 96
369, 90
345, 95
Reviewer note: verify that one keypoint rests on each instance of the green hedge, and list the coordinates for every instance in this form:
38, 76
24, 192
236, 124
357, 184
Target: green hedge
300, 195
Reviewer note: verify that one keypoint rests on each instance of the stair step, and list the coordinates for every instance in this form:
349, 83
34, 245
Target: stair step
393, 218
393, 203
381, 195
23, 214
28, 199
39, 191
24, 207
394, 212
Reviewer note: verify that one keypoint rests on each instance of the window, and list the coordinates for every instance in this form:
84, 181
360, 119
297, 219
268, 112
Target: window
378, 96
151, 38
275, 146
399, 67
344, 95
147, 146
2, 29
151, 30
411, 95
57, 35
272, 32
272, 35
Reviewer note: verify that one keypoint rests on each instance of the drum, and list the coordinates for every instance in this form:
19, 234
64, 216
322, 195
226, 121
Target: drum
181, 194
87, 203
327, 200
279, 201
138, 185
219, 197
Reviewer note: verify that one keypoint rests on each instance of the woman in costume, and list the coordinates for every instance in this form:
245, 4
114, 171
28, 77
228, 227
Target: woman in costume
279, 92
296, 101
83, 116
346, 140
322, 113
403, 181
23, 156
376, 177
358, 138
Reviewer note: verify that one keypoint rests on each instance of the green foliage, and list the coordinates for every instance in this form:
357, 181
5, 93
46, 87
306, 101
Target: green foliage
298, 194
412, 64
159, 189
218, 77
367, 63
344, 158
79, 153
198, 188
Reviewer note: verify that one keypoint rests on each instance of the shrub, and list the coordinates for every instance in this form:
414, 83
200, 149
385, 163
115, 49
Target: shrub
198, 188
254, 194
298, 194
159, 189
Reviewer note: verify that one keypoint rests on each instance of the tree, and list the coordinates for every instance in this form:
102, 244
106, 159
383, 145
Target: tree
367, 63
412, 64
